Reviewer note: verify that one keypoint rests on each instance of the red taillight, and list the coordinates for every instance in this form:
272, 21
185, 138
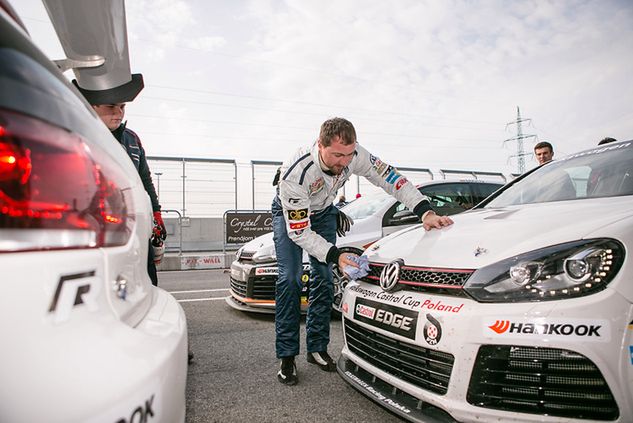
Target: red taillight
54, 193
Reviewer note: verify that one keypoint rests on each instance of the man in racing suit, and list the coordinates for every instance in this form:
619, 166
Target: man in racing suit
305, 219
110, 106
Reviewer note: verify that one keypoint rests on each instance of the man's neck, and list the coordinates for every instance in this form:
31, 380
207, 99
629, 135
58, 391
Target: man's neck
324, 168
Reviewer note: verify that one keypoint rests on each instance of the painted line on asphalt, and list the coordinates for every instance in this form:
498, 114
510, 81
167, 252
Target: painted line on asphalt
202, 299
198, 290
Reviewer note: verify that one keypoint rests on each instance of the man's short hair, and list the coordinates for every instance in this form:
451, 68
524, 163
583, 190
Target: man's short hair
607, 140
544, 144
334, 127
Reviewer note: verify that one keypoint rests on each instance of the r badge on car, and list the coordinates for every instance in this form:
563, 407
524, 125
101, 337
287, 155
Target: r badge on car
479, 251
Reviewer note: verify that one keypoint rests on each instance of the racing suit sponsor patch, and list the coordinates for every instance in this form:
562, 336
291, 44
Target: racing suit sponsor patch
397, 320
401, 182
297, 214
317, 185
298, 225
392, 177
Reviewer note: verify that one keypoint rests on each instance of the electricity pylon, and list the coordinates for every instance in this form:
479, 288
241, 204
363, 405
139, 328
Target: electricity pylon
519, 139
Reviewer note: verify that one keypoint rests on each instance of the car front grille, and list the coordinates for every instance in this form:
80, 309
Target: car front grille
545, 381
425, 368
264, 287
246, 257
421, 279
238, 287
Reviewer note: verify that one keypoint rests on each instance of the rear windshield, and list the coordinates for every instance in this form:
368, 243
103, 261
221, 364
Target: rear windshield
606, 171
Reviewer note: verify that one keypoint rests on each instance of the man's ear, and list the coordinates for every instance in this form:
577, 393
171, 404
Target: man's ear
321, 146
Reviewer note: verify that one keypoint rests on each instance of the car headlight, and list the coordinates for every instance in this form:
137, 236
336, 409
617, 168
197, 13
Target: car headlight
238, 253
572, 269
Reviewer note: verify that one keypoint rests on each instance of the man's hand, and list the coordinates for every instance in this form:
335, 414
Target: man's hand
158, 221
345, 260
431, 220
343, 223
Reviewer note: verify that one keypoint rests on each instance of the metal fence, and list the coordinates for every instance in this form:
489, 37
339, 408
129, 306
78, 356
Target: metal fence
197, 187
262, 188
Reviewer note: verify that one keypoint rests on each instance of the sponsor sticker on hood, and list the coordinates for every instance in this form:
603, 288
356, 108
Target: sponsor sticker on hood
397, 320
591, 330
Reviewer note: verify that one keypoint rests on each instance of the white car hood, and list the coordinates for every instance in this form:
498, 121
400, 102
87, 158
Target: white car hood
481, 237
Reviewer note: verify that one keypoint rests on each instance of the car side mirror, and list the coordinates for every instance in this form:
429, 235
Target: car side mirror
403, 217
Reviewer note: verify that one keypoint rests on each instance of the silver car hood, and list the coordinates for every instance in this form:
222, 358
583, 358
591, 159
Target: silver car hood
481, 237
260, 242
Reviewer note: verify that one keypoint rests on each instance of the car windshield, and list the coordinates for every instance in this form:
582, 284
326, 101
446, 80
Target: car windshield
367, 205
606, 171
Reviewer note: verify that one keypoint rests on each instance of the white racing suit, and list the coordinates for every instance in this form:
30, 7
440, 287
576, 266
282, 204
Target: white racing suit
304, 218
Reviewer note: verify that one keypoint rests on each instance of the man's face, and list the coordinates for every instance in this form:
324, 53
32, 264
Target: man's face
111, 114
337, 155
543, 155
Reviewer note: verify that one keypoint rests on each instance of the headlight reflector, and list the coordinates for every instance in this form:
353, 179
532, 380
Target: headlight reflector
572, 269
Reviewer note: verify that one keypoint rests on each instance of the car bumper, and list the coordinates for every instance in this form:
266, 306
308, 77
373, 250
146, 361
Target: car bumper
252, 287
101, 370
445, 336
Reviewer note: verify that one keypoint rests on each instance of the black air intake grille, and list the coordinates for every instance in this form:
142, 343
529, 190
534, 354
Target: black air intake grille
546, 381
425, 368
264, 287
238, 287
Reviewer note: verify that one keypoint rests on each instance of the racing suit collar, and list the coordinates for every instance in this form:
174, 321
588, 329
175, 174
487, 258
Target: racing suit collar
118, 133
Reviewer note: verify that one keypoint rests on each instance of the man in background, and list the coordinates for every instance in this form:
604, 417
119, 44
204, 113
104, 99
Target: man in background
110, 106
544, 152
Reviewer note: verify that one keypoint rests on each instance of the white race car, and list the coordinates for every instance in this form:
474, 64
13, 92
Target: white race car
254, 271
520, 311
85, 335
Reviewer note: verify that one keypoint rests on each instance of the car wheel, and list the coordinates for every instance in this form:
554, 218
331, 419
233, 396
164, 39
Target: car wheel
340, 281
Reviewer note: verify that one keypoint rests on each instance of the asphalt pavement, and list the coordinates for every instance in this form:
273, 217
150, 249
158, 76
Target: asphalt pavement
233, 375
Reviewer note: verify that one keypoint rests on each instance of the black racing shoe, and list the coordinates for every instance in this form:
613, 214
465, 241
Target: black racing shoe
323, 360
287, 373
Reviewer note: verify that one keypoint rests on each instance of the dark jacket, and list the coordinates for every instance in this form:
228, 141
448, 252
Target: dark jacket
132, 144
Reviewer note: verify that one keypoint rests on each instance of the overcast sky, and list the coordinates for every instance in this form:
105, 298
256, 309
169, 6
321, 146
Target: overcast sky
426, 83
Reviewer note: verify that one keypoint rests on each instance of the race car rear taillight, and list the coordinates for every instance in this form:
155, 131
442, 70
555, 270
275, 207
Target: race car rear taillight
54, 192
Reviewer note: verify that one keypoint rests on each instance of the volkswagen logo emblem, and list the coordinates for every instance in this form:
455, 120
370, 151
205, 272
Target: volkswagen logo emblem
390, 275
